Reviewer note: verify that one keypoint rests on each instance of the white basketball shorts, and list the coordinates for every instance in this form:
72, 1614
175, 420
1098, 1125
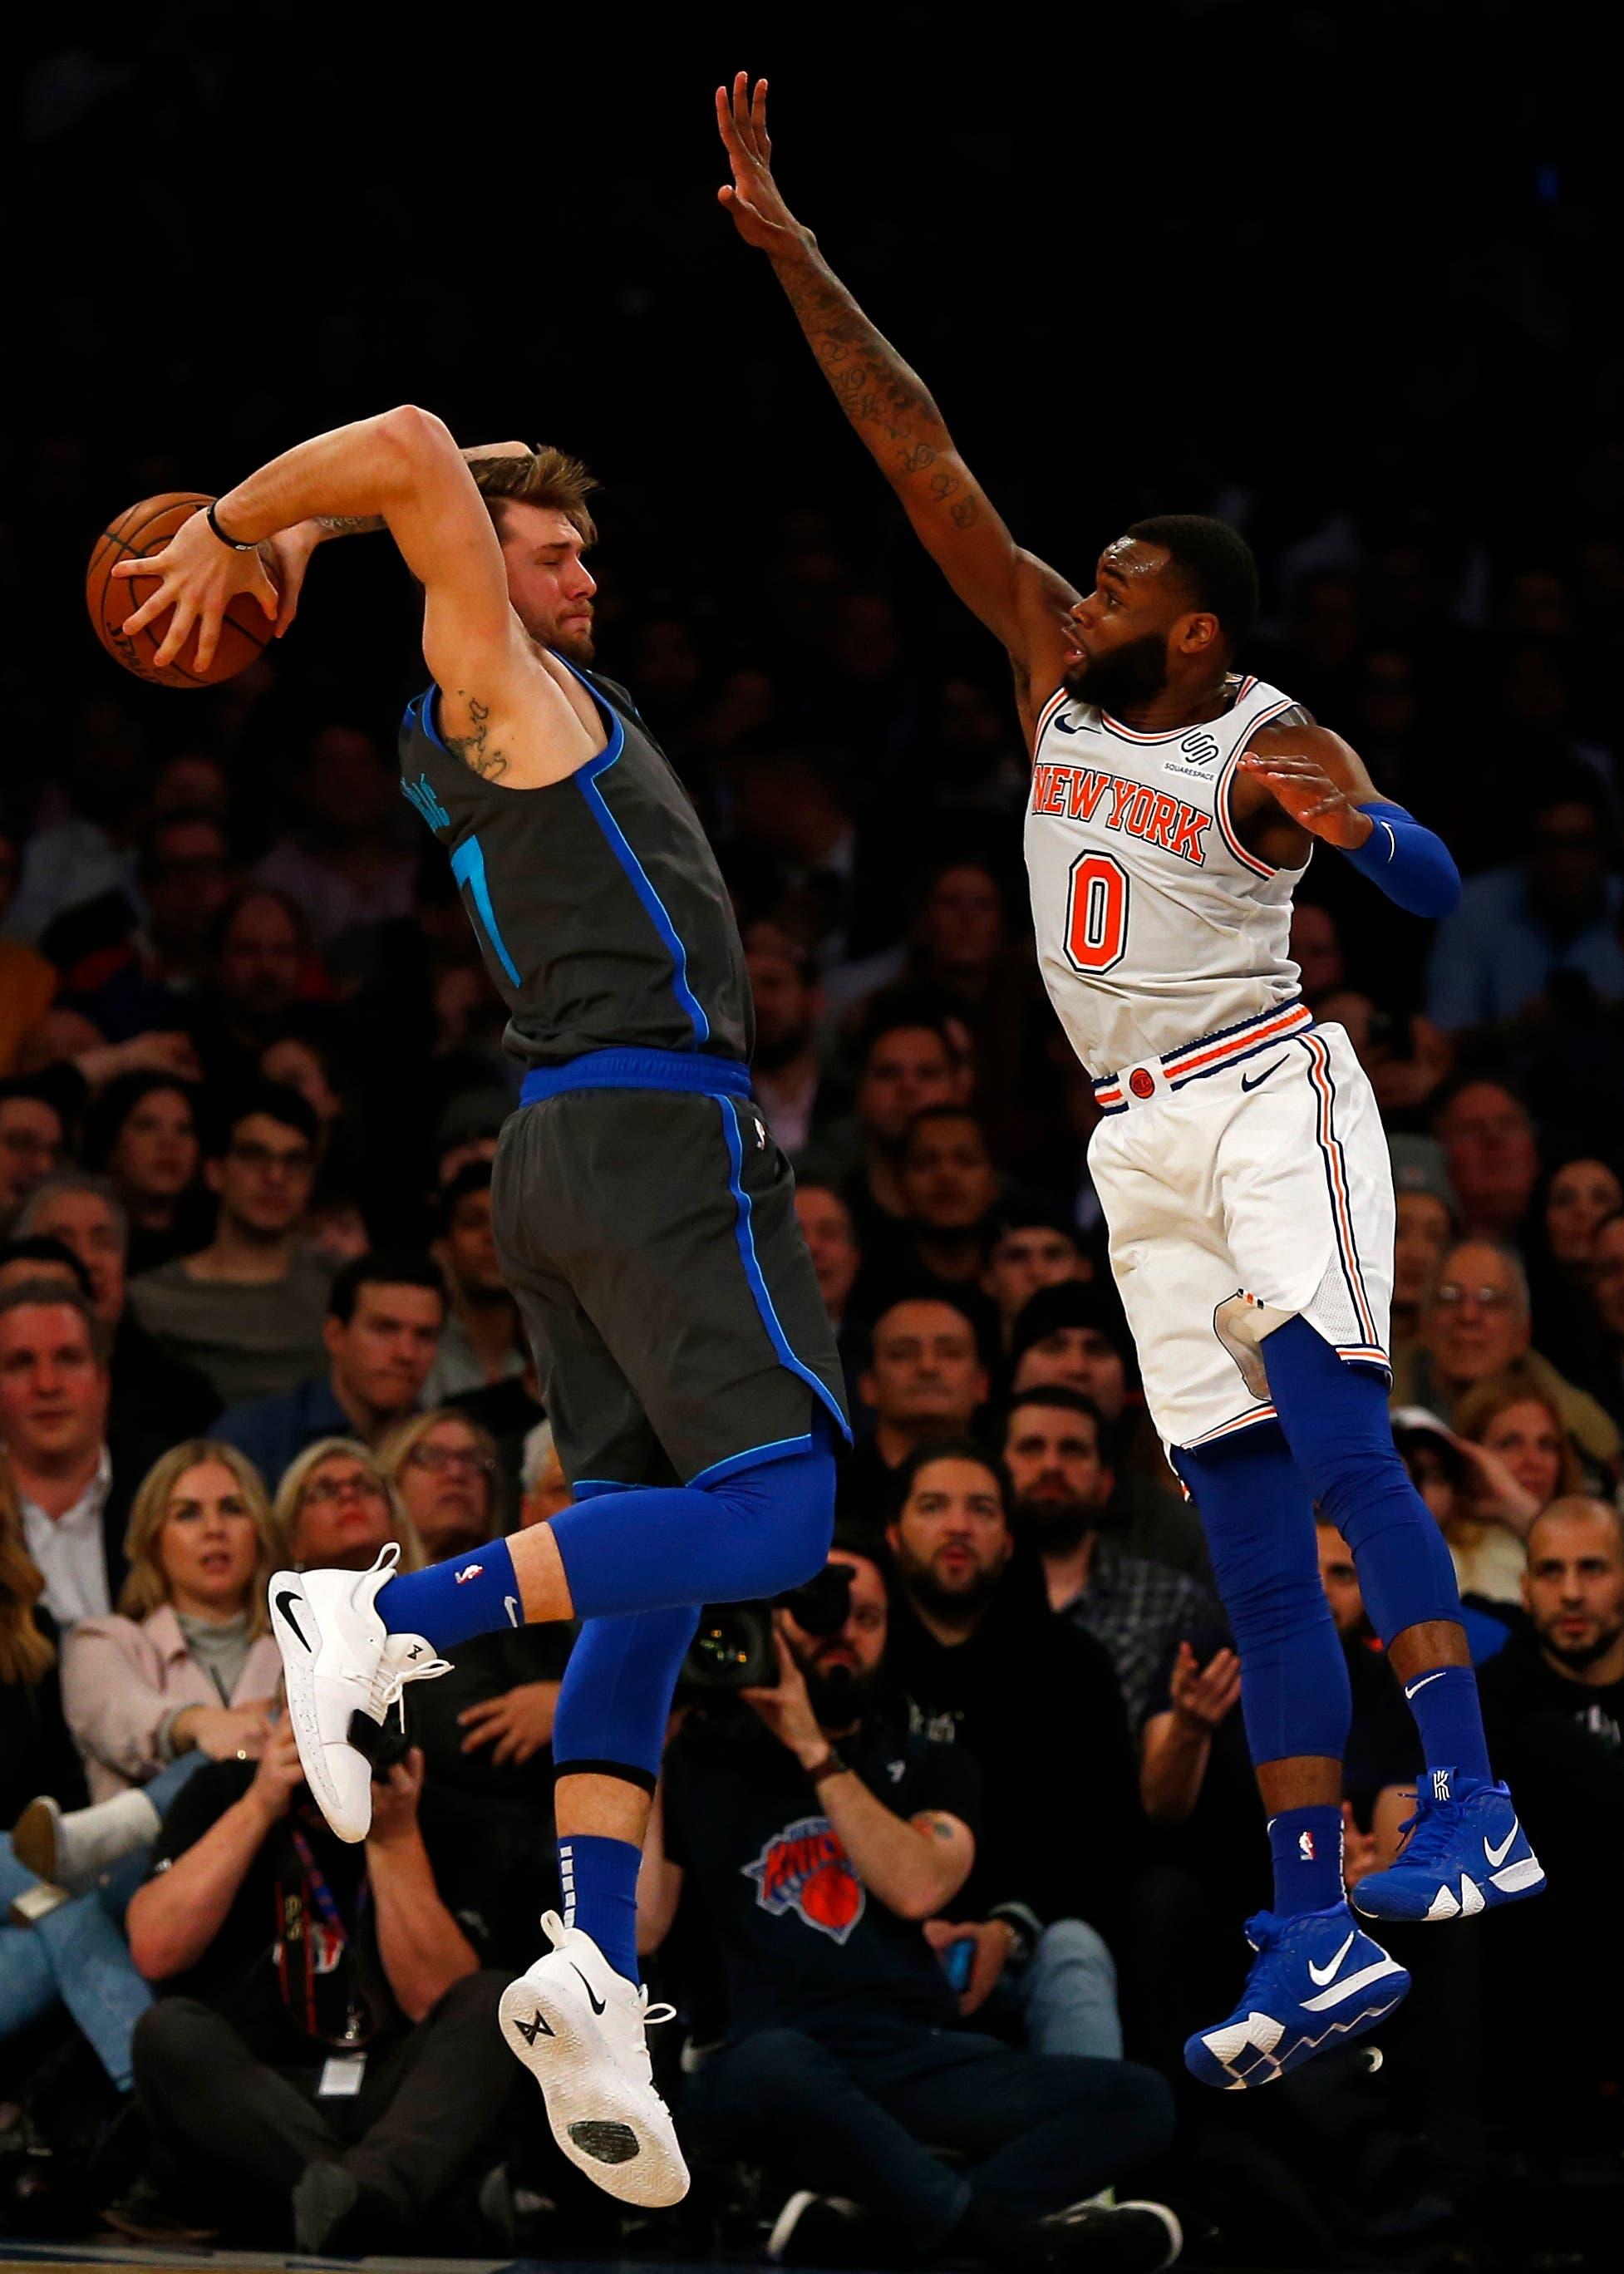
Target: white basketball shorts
1259, 1192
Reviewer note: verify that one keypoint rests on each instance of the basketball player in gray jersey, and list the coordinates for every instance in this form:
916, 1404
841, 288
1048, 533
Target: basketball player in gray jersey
643, 1215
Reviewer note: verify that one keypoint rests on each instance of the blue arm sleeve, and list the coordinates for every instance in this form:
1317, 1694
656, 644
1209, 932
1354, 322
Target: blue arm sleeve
1411, 865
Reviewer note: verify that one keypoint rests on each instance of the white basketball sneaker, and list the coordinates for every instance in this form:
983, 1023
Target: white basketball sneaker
344, 1671
578, 2028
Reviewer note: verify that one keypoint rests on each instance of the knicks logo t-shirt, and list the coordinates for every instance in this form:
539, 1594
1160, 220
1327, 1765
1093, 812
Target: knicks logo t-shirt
804, 1944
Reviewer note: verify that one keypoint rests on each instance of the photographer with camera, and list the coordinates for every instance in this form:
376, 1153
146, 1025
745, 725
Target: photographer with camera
811, 1839
320, 2053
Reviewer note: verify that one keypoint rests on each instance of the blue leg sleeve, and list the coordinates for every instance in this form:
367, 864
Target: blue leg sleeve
1259, 1524
1337, 1423
753, 1531
616, 1693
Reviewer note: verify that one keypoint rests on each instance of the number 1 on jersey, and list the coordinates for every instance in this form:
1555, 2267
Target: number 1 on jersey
1097, 913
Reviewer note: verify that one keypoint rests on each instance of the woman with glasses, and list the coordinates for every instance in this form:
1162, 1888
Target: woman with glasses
337, 1508
445, 1468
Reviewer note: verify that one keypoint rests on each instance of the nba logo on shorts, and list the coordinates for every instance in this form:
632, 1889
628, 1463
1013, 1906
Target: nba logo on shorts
1306, 1847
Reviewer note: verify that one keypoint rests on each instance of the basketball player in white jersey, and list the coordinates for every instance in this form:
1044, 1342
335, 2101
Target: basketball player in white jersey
1240, 1160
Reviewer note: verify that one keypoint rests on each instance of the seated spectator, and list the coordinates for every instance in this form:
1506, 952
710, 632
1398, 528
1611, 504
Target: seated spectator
1487, 1134
1426, 1214
905, 1063
508, 1411
446, 1469
924, 1379
1570, 1207
1061, 1489
812, 1845
1523, 1429
1407, 1058
831, 1241
482, 1340
977, 1651
142, 1133
1073, 1337
791, 1087
53, 1953
1516, 926
31, 1142
248, 1309
1028, 1248
129, 962
543, 1487
188, 1667
74, 1485
1481, 1509
948, 1185
1475, 1325
258, 954
1383, 1758
152, 1393
338, 2103
346, 867
334, 1508
1554, 1710
1607, 1295
384, 1313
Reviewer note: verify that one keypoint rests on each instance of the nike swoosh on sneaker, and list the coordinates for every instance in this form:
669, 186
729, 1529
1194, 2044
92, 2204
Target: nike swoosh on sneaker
1351, 1985
1497, 1855
1411, 1688
1324, 1974
285, 1602
1256, 1081
597, 2003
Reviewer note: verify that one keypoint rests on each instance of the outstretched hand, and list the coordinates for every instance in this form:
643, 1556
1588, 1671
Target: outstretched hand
1314, 776
199, 578
752, 198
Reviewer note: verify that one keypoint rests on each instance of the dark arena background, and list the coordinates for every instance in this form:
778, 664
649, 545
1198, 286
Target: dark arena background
1346, 278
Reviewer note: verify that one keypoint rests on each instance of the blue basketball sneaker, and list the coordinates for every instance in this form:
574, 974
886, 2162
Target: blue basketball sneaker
1466, 1852
1317, 1977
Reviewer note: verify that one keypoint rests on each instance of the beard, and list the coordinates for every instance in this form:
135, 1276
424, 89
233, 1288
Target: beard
952, 1604
1577, 1656
840, 1696
1052, 1525
775, 1051
1128, 674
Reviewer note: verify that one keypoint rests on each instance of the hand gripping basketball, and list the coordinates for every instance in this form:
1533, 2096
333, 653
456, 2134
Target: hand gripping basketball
198, 579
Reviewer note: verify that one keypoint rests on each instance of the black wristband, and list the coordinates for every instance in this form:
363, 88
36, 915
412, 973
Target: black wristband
831, 1764
236, 544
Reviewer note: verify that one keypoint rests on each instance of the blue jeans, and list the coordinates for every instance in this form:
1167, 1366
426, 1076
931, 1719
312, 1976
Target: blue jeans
1064, 1999
863, 2115
77, 1955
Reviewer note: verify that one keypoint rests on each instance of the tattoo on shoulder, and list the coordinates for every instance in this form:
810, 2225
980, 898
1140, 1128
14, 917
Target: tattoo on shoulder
940, 1827
474, 748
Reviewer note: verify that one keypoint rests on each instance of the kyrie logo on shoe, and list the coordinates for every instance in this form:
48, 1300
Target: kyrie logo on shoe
531, 2030
1440, 1784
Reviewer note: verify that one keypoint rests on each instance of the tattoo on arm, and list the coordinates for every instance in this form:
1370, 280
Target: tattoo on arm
473, 749
888, 404
349, 524
940, 1827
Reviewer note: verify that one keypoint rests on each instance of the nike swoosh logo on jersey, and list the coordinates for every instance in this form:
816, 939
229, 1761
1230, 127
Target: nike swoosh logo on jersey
595, 2002
1497, 1855
285, 1602
1411, 1688
1256, 1081
1063, 722
1324, 1974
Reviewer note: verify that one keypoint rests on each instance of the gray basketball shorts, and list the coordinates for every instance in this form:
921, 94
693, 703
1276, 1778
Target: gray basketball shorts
651, 1239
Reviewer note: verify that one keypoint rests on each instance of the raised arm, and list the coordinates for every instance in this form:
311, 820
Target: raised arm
502, 710
1022, 602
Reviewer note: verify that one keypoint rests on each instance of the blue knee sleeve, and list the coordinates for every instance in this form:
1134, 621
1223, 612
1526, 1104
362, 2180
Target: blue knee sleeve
616, 1693
740, 1533
1259, 1524
1337, 1423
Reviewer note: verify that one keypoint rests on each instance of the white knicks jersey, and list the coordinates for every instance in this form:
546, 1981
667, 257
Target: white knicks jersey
1154, 925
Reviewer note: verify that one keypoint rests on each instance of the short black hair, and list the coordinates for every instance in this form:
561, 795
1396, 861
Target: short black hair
890, 1008
472, 1177
1065, 1400
104, 1124
904, 1476
39, 1248
383, 1266
1214, 562
944, 1112
277, 1101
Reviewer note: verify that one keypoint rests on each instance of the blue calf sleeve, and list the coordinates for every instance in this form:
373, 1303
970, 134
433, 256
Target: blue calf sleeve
752, 1531
1337, 1423
616, 1693
1259, 1524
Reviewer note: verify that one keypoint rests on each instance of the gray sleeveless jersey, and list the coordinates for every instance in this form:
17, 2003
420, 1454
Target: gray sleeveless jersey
597, 901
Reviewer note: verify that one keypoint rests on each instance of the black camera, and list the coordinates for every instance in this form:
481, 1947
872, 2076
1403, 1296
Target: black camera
734, 1647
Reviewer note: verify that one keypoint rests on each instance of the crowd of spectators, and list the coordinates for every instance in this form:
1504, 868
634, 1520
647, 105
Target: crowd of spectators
250, 1080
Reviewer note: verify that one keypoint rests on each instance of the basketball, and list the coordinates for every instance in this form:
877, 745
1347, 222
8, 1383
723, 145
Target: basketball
147, 527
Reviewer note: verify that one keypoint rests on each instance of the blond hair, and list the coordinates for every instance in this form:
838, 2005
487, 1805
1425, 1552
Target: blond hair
149, 1586
291, 1499
398, 1445
26, 1656
544, 477
1486, 1401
